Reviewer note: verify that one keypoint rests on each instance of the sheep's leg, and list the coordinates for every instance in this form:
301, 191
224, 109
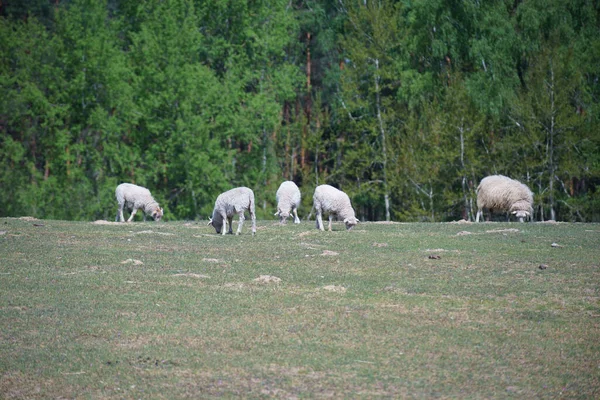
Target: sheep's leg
240, 222
479, 214
225, 220
230, 223
330, 219
120, 217
296, 219
253, 218
320, 220
144, 217
132, 214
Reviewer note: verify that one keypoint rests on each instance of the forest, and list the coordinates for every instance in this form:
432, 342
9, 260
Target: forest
404, 105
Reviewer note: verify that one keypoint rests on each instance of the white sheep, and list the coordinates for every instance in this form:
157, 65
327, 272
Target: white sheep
328, 199
134, 197
498, 193
288, 200
234, 201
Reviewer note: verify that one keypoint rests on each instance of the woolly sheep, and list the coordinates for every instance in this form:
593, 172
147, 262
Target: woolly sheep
288, 200
134, 198
498, 193
328, 199
234, 201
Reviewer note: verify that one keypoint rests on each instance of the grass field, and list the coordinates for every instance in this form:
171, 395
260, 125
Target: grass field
172, 310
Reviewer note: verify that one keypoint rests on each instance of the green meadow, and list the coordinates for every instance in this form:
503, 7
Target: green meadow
416, 310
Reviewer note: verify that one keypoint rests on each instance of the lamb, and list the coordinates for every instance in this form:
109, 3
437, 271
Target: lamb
328, 199
134, 198
499, 193
234, 201
288, 200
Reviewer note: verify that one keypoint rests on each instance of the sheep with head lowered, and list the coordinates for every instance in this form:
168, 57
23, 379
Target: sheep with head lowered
498, 193
134, 197
234, 201
288, 200
328, 199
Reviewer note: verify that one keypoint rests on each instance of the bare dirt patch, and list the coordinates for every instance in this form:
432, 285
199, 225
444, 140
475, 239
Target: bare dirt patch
509, 230
28, 219
104, 222
329, 253
463, 233
334, 288
267, 279
132, 261
152, 232
192, 275
380, 244
211, 260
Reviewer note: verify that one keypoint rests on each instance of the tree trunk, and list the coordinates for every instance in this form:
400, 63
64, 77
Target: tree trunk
551, 132
308, 104
386, 194
468, 210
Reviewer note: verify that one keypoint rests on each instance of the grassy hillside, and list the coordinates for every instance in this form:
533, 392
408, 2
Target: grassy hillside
167, 310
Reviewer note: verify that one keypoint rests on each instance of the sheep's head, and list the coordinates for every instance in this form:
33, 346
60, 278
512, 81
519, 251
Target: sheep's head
521, 214
217, 224
157, 214
350, 222
283, 215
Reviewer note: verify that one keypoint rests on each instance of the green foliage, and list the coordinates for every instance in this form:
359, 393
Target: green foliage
404, 105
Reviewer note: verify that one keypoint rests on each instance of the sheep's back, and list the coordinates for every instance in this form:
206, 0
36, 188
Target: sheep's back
132, 193
331, 199
241, 198
501, 192
289, 193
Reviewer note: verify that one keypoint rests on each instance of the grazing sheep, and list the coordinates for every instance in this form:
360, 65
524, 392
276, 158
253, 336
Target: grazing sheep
234, 201
288, 200
134, 198
497, 193
328, 199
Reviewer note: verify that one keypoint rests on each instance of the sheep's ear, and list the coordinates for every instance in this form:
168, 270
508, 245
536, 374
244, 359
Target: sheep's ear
209, 221
276, 214
513, 213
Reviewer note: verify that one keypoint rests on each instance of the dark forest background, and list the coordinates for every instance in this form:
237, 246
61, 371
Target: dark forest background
405, 105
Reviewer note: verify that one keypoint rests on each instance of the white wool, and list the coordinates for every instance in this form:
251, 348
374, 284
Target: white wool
328, 199
288, 200
134, 197
499, 193
234, 201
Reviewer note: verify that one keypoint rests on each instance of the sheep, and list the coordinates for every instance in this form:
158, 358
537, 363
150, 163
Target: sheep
234, 201
288, 200
328, 199
499, 193
133, 198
